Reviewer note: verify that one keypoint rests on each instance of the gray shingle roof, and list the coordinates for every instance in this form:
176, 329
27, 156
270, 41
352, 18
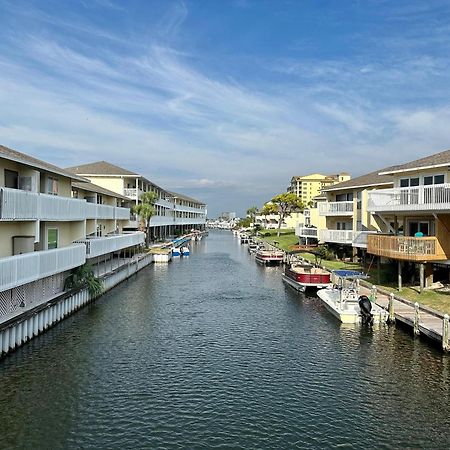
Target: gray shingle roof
370, 179
185, 197
22, 158
100, 168
436, 160
91, 187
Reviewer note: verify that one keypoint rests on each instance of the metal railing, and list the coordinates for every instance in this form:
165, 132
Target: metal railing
306, 232
21, 269
336, 236
418, 198
336, 209
18, 204
103, 245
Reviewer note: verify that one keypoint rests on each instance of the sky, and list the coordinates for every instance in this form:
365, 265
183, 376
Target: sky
226, 100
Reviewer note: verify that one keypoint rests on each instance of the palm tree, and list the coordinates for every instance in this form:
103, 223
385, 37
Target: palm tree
251, 212
146, 210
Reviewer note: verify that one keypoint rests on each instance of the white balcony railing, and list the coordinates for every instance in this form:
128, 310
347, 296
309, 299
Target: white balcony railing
20, 269
420, 198
360, 238
16, 204
103, 245
306, 232
336, 236
95, 211
336, 209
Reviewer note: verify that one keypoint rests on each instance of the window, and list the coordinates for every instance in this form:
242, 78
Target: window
52, 238
409, 182
52, 185
11, 179
436, 179
344, 197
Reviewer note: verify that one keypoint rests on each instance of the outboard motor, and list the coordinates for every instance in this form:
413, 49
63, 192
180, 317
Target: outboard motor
366, 308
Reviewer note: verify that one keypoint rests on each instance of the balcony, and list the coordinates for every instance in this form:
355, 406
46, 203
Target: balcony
420, 198
16, 204
306, 232
95, 211
360, 238
21, 269
336, 236
336, 209
406, 248
104, 245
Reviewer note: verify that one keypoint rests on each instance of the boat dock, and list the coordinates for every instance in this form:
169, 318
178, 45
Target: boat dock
421, 319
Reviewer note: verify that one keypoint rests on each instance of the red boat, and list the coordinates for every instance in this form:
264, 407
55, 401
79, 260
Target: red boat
304, 276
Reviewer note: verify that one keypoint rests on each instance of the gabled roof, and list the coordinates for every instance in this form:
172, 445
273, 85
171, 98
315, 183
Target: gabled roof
370, 179
91, 187
185, 197
101, 168
22, 158
441, 159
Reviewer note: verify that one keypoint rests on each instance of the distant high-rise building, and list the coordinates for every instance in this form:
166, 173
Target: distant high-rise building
228, 216
307, 187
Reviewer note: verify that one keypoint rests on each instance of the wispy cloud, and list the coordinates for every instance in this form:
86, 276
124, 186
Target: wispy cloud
153, 106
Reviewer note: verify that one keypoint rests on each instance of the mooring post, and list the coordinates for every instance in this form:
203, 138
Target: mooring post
416, 319
373, 294
391, 318
445, 345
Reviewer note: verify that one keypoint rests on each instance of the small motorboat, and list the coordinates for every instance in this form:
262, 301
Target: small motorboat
185, 251
176, 251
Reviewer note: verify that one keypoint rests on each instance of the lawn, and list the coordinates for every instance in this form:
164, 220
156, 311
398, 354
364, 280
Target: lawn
286, 239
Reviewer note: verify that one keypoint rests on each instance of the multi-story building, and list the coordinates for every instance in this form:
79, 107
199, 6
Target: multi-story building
175, 213
307, 187
44, 230
415, 215
347, 220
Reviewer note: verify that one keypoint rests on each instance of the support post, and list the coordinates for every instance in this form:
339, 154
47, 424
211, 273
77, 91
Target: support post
378, 270
373, 294
421, 276
445, 344
416, 319
399, 276
391, 318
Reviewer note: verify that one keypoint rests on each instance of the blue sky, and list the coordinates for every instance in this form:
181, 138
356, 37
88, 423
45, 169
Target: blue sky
226, 100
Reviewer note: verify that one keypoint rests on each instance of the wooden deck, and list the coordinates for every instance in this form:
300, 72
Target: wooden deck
425, 322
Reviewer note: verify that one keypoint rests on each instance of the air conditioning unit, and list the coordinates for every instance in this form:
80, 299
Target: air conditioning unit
23, 244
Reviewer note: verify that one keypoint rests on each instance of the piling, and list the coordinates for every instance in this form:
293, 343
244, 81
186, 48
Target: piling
416, 319
445, 344
391, 317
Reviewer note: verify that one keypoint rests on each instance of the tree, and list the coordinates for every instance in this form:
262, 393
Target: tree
84, 276
146, 210
286, 204
269, 209
251, 212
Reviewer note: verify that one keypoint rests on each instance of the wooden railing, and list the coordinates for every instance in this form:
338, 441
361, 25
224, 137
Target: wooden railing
406, 248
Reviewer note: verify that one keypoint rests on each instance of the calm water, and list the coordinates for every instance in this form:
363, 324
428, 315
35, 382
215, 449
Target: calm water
214, 351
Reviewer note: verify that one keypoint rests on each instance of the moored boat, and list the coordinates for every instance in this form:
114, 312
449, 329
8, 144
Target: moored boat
269, 257
184, 251
345, 302
304, 276
176, 251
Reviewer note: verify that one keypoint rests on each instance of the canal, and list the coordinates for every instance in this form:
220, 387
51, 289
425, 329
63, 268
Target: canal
214, 351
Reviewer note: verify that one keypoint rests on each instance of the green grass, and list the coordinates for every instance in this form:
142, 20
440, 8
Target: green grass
286, 239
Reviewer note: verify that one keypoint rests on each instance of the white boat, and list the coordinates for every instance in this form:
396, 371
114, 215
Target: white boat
345, 302
269, 257
185, 251
176, 251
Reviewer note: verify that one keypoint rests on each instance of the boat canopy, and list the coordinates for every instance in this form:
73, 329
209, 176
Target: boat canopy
350, 274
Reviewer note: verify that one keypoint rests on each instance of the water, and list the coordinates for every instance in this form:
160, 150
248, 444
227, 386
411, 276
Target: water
214, 351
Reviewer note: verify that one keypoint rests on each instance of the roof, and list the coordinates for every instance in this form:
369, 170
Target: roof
87, 186
22, 158
185, 197
441, 159
370, 179
319, 197
101, 168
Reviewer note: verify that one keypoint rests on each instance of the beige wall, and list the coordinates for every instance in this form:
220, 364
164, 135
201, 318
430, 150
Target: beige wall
115, 184
10, 229
67, 232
